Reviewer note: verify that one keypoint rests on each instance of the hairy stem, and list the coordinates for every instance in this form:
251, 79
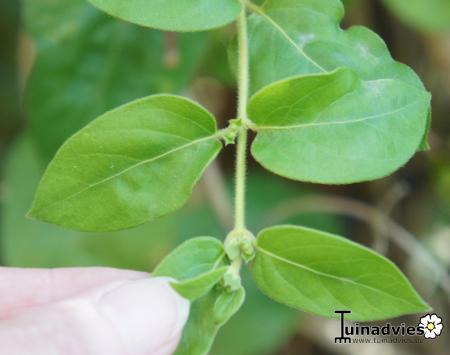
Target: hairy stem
241, 151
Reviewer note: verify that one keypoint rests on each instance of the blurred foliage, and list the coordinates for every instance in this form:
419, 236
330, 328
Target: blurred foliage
88, 63
9, 85
427, 15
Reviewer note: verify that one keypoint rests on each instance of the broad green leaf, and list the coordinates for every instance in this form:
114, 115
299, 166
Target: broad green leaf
426, 15
173, 15
333, 128
30, 243
199, 286
320, 273
88, 62
192, 258
289, 38
293, 37
135, 163
207, 315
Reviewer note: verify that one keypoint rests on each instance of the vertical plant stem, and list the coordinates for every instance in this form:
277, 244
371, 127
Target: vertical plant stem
241, 150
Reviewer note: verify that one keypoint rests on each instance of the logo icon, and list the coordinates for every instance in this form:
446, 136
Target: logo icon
342, 338
431, 326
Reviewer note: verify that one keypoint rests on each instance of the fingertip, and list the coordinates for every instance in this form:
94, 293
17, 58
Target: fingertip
148, 314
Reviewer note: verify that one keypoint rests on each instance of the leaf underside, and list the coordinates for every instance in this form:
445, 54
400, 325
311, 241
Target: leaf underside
133, 164
173, 15
347, 128
320, 273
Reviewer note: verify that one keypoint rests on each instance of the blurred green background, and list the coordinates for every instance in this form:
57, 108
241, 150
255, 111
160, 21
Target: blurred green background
62, 63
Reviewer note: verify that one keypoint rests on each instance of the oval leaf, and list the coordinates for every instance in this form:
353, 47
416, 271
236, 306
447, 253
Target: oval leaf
308, 35
338, 129
320, 273
173, 15
135, 163
304, 38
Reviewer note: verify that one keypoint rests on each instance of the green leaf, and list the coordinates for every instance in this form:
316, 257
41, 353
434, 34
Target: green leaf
227, 304
243, 334
30, 243
173, 15
135, 163
95, 64
426, 15
307, 34
191, 259
199, 286
207, 315
193, 263
319, 273
197, 265
289, 38
333, 128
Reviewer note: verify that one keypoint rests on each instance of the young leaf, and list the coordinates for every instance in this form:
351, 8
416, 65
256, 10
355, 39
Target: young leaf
193, 263
304, 38
193, 258
199, 286
227, 304
135, 163
338, 129
320, 273
197, 265
207, 316
173, 15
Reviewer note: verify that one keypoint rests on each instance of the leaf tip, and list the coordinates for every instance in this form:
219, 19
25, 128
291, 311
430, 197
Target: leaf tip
424, 306
31, 214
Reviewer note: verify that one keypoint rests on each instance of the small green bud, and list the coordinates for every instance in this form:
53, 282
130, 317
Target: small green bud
232, 248
230, 136
231, 280
240, 243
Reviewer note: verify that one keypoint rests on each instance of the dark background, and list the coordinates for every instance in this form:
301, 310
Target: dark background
83, 63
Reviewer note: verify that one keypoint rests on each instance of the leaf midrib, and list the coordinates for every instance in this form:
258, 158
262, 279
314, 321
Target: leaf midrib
260, 11
323, 274
143, 162
335, 123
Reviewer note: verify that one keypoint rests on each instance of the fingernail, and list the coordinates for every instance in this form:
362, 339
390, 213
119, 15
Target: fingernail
147, 314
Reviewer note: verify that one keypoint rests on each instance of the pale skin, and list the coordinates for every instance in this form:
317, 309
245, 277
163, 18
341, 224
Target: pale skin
76, 311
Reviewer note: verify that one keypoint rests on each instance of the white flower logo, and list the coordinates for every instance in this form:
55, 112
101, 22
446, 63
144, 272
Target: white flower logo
431, 325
